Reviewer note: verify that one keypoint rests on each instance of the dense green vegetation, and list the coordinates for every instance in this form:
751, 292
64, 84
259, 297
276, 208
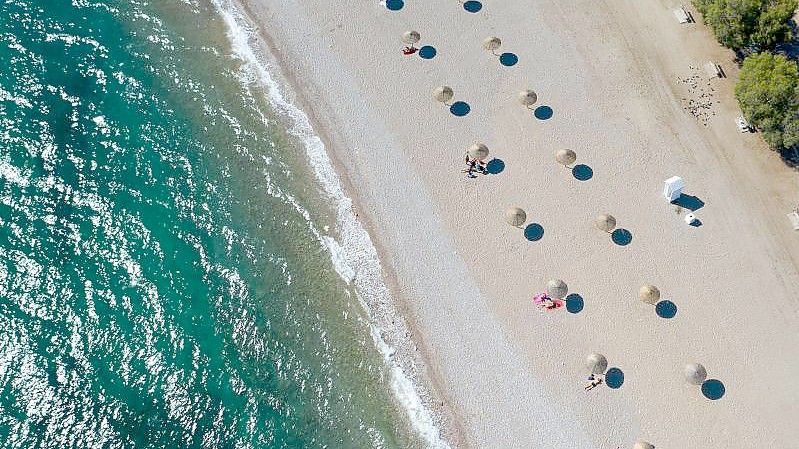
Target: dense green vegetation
768, 93
768, 87
748, 23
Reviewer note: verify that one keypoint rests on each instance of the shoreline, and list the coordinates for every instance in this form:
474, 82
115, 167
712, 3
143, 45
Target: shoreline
485, 308
413, 362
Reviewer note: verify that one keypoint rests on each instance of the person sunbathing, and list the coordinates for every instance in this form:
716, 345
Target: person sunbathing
594, 380
548, 303
409, 50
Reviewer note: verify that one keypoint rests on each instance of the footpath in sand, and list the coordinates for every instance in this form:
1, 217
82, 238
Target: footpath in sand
613, 74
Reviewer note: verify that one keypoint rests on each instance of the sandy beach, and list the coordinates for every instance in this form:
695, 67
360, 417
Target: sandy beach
612, 72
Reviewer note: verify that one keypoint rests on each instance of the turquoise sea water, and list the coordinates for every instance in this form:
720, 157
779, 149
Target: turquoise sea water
162, 284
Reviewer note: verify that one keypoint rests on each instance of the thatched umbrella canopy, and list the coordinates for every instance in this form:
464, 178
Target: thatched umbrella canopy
605, 222
565, 157
410, 37
443, 94
557, 288
478, 151
641, 444
528, 97
649, 294
596, 363
695, 373
492, 43
515, 216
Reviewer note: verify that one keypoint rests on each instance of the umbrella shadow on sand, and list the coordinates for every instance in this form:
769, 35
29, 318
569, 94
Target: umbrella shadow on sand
495, 166
473, 6
574, 303
543, 113
690, 202
621, 237
394, 5
713, 389
614, 378
427, 52
582, 172
534, 232
666, 309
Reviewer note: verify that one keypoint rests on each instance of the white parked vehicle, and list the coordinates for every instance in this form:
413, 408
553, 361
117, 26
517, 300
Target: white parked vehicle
743, 125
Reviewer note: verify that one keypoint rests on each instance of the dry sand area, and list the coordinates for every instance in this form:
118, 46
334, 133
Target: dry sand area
509, 374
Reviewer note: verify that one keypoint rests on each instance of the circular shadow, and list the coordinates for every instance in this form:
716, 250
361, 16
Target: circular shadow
460, 108
495, 166
582, 172
621, 237
713, 389
614, 378
394, 5
574, 303
427, 52
473, 6
666, 309
543, 113
508, 59
534, 232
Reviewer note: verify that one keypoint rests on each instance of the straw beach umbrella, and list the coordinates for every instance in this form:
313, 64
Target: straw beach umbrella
478, 151
596, 363
515, 216
694, 373
649, 294
557, 288
641, 444
605, 222
565, 157
410, 37
492, 44
443, 94
528, 97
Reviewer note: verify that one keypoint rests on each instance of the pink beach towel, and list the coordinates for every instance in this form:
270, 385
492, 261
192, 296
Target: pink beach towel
541, 297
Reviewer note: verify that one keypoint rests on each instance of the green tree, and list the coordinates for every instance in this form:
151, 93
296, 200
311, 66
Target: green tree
768, 94
740, 23
774, 24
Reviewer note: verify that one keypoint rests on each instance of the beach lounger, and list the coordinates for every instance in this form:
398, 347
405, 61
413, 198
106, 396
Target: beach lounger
712, 69
794, 217
682, 15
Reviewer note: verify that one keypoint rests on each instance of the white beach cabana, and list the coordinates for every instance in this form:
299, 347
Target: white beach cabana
672, 188
515, 216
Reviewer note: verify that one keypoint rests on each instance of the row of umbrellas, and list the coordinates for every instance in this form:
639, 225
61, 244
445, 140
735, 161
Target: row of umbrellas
694, 373
491, 44
557, 288
516, 216
527, 97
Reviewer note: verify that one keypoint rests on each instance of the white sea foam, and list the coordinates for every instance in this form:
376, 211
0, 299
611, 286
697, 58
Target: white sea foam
353, 254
